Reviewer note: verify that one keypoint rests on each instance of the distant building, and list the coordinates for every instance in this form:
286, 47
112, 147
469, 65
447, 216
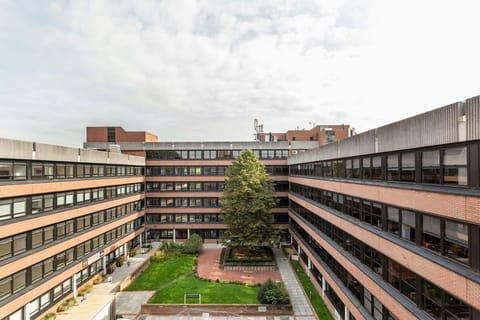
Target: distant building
323, 134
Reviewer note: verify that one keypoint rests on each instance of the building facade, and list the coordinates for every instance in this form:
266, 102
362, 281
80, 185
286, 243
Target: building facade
65, 214
185, 181
388, 222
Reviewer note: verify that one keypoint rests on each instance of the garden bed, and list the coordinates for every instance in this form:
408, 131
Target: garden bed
242, 258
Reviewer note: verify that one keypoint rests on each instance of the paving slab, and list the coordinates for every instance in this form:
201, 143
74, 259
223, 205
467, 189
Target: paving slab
129, 303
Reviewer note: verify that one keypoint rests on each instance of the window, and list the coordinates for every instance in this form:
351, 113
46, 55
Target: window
37, 238
408, 225
37, 271
456, 241
44, 300
60, 230
5, 287
47, 267
393, 169
37, 204
366, 166
5, 248
408, 167
19, 244
431, 233
455, 166
19, 281
393, 223
431, 166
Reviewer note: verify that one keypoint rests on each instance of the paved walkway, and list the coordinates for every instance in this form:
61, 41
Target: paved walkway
108, 289
300, 304
209, 268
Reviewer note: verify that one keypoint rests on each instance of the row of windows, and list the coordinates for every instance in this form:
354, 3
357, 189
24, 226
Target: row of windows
428, 297
46, 300
212, 154
164, 234
196, 202
206, 171
280, 186
446, 166
200, 218
443, 236
18, 207
22, 170
24, 278
371, 304
185, 218
20, 243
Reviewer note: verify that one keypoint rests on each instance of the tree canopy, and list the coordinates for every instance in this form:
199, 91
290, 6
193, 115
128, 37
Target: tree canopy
247, 202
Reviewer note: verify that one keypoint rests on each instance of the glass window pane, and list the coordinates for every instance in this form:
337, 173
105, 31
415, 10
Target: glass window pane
455, 156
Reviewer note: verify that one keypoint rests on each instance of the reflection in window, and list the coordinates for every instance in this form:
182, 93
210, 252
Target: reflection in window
431, 233
455, 166
456, 241
408, 167
431, 166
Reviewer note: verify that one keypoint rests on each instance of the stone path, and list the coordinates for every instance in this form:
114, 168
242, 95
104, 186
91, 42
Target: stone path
300, 304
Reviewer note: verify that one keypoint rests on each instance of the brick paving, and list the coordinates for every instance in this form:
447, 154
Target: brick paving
209, 268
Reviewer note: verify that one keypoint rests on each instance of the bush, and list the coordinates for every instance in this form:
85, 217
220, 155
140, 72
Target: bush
50, 316
132, 252
98, 279
110, 268
273, 293
193, 245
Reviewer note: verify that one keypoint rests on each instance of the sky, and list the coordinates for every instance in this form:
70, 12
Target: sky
203, 70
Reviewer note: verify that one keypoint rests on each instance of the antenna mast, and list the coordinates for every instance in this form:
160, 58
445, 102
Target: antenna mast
258, 129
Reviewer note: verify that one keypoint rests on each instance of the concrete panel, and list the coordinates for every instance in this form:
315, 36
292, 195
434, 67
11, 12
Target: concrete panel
15, 149
238, 145
438, 126
55, 153
102, 157
363, 143
93, 156
472, 113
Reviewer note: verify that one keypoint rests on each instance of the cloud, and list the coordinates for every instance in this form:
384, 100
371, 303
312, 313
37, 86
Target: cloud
203, 69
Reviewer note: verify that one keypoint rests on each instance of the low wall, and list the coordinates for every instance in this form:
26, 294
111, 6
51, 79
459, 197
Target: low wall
249, 267
213, 309
129, 279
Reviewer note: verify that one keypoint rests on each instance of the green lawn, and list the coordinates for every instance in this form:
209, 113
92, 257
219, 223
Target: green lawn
159, 274
174, 277
212, 292
316, 299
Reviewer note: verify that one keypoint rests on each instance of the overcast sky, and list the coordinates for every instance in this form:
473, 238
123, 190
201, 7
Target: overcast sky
204, 69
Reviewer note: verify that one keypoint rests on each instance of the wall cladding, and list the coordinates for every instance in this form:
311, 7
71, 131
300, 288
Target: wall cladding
431, 128
472, 112
459, 121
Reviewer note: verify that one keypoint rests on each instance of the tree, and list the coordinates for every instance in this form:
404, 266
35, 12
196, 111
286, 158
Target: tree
247, 201
273, 293
193, 245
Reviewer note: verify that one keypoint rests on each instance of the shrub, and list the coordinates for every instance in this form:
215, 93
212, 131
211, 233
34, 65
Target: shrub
120, 261
132, 252
193, 245
71, 302
273, 293
110, 268
50, 316
98, 279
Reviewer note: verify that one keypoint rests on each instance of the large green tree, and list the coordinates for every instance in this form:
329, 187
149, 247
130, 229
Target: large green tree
247, 202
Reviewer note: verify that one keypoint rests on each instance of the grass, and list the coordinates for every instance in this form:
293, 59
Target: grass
159, 274
173, 277
316, 300
212, 292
